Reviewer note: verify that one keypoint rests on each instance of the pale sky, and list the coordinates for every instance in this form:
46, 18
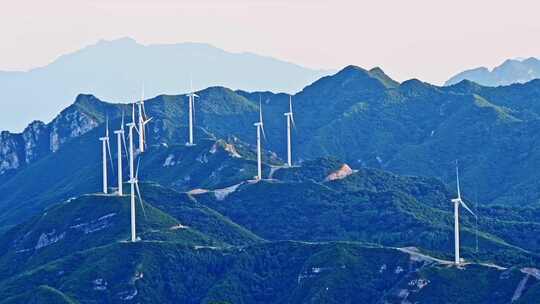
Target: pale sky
426, 39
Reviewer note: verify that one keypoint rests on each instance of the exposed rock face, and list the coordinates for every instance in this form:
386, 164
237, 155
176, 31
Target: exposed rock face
46, 239
10, 158
35, 141
225, 146
39, 139
69, 124
343, 172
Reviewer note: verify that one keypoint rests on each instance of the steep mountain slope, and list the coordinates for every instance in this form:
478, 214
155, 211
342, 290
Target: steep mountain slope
368, 120
190, 253
87, 222
76, 169
164, 68
509, 72
372, 206
283, 272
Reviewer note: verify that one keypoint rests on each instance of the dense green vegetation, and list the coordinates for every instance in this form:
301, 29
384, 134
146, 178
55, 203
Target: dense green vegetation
368, 120
204, 247
319, 232
281, 272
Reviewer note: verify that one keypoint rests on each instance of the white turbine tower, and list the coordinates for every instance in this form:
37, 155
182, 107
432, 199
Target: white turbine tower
143, 120
260, 128
105, 148
290, 122
191, 97
457, 202
133, 176
121, 141
135, 187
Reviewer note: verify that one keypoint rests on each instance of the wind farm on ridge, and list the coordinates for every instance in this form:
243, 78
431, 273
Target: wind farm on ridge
143, 119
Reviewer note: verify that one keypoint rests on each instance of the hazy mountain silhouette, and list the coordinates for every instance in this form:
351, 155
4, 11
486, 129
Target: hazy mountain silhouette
509, 72
116, 70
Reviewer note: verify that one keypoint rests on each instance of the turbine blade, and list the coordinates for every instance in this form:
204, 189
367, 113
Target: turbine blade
142, 93
457, 180
125, 145
133, 113
136, 129
140, 198
137, 171
122, 125
107, 126
193, 114
290, 104
110, 155
260, 113
261, 120
290, 111
264, 134
466, 207
143, 110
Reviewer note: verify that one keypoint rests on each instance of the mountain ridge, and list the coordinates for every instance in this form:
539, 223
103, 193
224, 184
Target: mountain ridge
414, 128
130, 65
509, 72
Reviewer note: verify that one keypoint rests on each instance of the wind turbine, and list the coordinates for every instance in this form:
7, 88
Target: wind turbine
133, 176
290, 121
260, 128
105, 147
143, 120
457, 202
135, 187
191, 97
121, 140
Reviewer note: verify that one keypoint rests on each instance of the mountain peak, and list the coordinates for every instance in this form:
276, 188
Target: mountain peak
509, 72
378, 73
122, 40
81, 98
354, 76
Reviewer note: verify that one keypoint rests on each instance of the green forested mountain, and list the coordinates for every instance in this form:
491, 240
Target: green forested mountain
76, 252
317, 233
359, 116
364, 216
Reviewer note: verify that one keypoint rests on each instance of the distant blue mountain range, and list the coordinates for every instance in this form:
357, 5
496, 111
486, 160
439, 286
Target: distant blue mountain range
509, 72
116, 70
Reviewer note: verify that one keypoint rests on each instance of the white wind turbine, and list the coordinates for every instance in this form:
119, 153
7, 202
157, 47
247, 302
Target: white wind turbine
105, 147
133, 177
290, 121
260, 128
121, 141
457, 202
143, 120
191, 97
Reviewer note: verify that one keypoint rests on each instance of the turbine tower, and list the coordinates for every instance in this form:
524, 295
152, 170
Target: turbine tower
290, 121
457, 202
135, 187
143, 120
121, 140
260, 128
191, 97
133, 176
105, 147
